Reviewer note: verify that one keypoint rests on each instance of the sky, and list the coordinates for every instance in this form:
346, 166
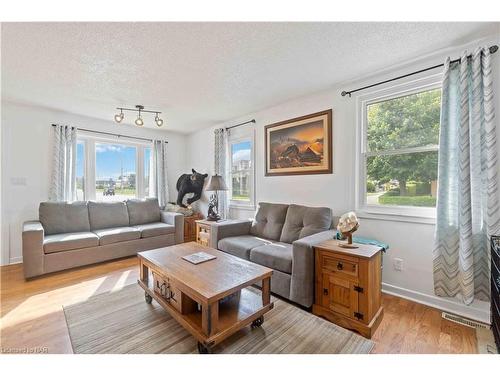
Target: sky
109, 160
308, 132
241, 151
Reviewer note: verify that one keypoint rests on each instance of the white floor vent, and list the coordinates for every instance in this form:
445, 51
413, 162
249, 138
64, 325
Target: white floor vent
464, 321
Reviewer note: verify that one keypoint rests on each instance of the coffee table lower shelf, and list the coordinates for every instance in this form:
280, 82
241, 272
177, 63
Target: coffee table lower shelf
240, 310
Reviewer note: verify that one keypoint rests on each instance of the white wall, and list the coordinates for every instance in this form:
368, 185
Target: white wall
27, 153
413, 242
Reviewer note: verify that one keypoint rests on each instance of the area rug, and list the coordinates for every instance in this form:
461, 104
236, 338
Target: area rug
122, 322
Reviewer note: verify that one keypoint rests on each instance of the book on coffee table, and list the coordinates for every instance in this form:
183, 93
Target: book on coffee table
199, 257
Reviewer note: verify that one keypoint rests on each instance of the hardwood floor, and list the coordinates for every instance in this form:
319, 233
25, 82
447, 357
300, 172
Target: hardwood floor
32, 316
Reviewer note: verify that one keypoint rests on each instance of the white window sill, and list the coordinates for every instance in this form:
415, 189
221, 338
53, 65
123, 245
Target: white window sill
242, 206
403, 214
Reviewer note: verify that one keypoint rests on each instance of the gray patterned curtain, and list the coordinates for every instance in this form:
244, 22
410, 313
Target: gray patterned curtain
467, 206
220, 168
158, 182
63, 182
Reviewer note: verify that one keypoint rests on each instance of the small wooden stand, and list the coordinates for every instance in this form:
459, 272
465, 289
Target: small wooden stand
190, 227
348, 244
348, 286
203, 232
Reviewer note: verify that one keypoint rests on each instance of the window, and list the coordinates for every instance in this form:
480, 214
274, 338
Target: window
115, 172
399, 155
107, 170
147, 169
242, 168
80, 170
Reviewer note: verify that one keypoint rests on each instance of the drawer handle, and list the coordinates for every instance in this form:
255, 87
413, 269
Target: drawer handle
325, 291
165, 291
340, 266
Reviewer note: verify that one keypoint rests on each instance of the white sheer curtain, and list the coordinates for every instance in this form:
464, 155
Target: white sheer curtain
158, 182
63, 182
221, 168
467, 206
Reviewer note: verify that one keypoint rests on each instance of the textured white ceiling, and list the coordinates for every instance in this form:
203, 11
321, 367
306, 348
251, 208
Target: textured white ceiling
200, 74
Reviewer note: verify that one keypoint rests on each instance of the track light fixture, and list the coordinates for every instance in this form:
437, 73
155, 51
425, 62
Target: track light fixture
158, 120
138, 121
119, 117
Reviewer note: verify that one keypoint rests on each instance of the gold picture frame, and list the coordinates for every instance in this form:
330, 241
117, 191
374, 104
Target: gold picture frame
300, 146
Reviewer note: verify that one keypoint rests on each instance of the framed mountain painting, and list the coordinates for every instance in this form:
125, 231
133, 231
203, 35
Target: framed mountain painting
299, 146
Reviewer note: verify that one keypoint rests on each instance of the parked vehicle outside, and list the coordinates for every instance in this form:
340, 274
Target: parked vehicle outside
109, 191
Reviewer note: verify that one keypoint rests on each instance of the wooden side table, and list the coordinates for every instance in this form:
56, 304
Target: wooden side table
190, 227
203, 230
348, 286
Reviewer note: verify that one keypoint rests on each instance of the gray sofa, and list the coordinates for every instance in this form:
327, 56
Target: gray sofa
280, 237
79, 233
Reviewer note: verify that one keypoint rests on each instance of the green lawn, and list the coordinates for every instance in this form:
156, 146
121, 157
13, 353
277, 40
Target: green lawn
240, 198
419, 200
126, 191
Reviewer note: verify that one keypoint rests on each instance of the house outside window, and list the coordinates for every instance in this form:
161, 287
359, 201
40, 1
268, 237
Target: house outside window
242, 169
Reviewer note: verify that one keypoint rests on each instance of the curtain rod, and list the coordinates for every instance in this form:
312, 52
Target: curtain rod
492, 49
113, 134
243, 123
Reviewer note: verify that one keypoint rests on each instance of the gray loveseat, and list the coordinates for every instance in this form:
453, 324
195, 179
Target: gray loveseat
75, 234
280, 237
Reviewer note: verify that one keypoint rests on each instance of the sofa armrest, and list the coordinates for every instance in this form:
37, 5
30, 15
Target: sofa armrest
302, 283
228, 229
176, 219
33, 234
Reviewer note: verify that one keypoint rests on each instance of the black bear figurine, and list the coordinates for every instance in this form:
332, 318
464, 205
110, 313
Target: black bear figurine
190, 183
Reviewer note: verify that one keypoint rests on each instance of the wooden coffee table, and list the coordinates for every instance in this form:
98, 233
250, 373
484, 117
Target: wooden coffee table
211, 299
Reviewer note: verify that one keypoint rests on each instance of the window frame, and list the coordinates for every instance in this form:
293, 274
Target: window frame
90, 141
426, 215
238, 136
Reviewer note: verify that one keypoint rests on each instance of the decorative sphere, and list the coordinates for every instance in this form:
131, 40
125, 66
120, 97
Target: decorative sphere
348, 223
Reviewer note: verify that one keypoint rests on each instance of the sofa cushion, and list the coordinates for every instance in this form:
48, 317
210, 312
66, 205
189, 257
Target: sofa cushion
269, 220
120, 234
64, 217
143, 211
240, 246
155, 229
277, 256
302, 221
107, 215
54, 243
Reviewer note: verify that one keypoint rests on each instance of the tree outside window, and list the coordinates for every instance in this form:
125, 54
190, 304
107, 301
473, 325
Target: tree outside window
402, 150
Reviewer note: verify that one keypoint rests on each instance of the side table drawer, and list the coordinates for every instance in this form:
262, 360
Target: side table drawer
163, 287
340, 266
170, 293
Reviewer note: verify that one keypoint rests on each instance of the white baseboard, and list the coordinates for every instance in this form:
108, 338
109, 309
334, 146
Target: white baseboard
15, 260
479, 311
